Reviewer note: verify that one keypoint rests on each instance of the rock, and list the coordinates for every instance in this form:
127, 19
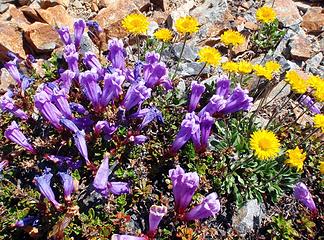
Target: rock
248, 217
56, 16
42, 37
87, 45
287, 12
52, 3
116, 30
282, 89
77, 4
10, 40
152, 28
313, 64
3, 7
160, 17
302, 6
313, 20
251, 25
181, 12
30, 14
191, 69
300, 47
18, 17
189, 52
162, 4
24, 2
117, 10
94, 7
5, 80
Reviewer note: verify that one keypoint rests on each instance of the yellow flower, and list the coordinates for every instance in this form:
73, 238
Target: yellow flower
231, 37
265, 144
319, 121
322, 167
136, 23
163, 34
261, 71
187, 24
318, 84
273, 66
230, 66
296, 158
244, 67
298, 84
319, 95
209, 55
266, 14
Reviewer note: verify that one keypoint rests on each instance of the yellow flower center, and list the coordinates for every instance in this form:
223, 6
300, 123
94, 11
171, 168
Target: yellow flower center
264, 144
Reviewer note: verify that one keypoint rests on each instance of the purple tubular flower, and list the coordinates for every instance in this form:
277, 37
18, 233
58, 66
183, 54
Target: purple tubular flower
135, 75
65, 35
116, 53
210, 206
12, 68
155, 217
14, 134
71, 57
79, 26
27, 221
94, 27
12, 56
152, 113
91, 61
112, 87
3, 164
100, 182
197, 89
7, 105
104, 126
80, 143
239, 100
118, 188
310, 104
125, 237
136, 95
78, 108
206, 123
44, 185
302, 194
215, 104
66, 80
48, 109
189, 126
84, 123
184, 187
59, 98
69, 124
26, 82
139, 139
67, 181
91, 88
61, 160
223, 87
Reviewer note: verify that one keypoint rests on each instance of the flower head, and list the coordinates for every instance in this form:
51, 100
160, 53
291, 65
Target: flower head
136, 23
262, 71
197, 89
231, 37
298, 84
117, 53
230, 67
163, 34
302, 194
67, 181
319, 121
155, 217
79, 26
296, 158
265, 144
209, 55
273, 66
321, 167
187, 24
266, 14
318, 84
244, 67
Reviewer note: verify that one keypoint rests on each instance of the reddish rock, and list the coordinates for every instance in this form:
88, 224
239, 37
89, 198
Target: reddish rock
56, 16
162, 4
301, 47
251, 25
18, 17
52, 3
5, 80
42, 37
313, 20
117, 10
287, 12
160, 17
11, 39
30, 14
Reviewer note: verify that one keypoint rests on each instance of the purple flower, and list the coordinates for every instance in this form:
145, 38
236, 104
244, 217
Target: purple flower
184, 187
91, 88
155, 217
210, 206
206, 123
65, 35
26, 82
14, 134
215, 104
69, 125
12, 68
152, 113
136, 95
116, 53
48, 109
7, 105
27, 221
302, 194
223, 87
84, 123
125, 237
71, 57
189, 126
44, 185
197, 89
79, 26
112, 87
78, 108
59, 98
80, 143
135, 75
67, 181
3, 164
66, 80
91, 61
118, 188
139, 139
61, 160
310, 104
104, 126
94, 27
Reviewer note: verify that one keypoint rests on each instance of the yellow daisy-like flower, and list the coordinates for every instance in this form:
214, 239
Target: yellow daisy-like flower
318, 84
296, 158
298, 84
136, 23
244, 67
322, 167
266, 14
261, 71
273, 66
209, 55
231, 37
265, 144
230, 67
319, 95
163, 34
319, 121
187, 24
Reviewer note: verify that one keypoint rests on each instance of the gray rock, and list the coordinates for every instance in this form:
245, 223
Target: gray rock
152, 28
248, 217
7, 1
189, 52
77, 4
313, 63
87, 45
5, 80
191, 69
3, 7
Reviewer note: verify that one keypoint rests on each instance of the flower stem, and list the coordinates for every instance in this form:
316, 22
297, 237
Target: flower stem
161, 50
276, 94
138, 47
201, 70
182, 49
309, 135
